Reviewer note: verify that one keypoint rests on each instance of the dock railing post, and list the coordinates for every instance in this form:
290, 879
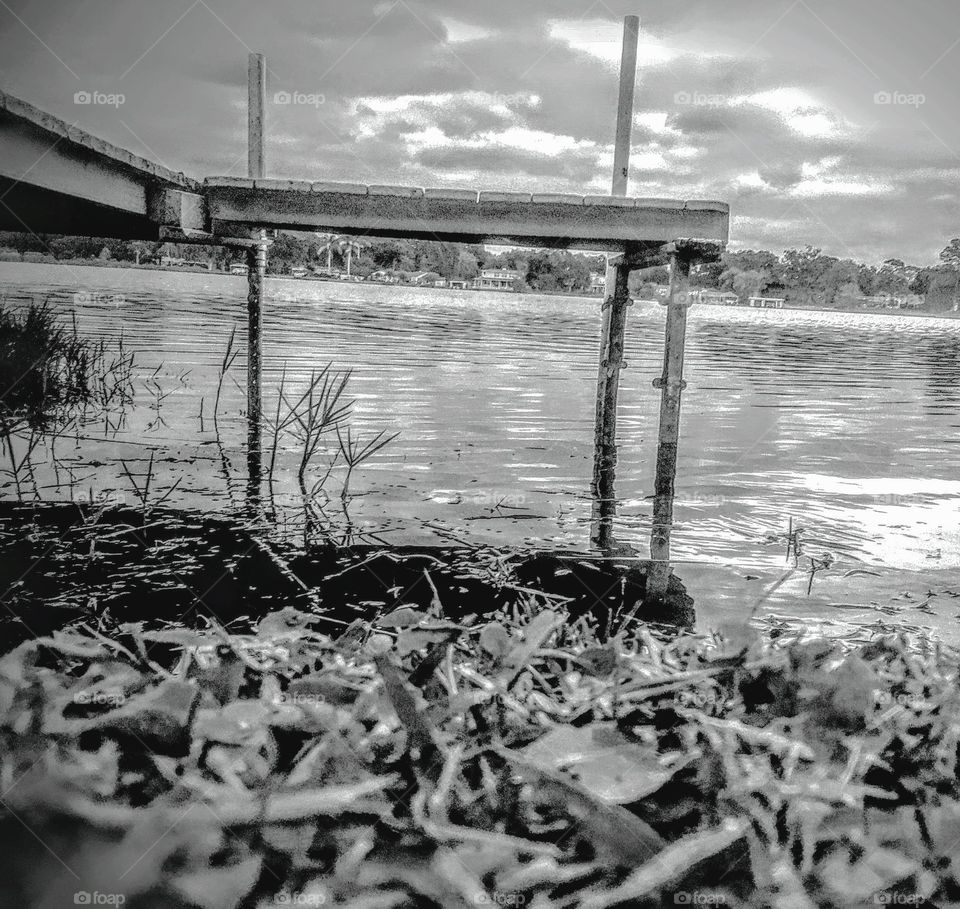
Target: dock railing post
614, 319
256, 271
671, 387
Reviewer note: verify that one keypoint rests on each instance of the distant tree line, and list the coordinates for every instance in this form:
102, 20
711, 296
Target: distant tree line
804, 277
808, 277
538, 270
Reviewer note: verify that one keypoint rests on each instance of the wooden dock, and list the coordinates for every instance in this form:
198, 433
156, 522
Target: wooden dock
603, 223
57, 179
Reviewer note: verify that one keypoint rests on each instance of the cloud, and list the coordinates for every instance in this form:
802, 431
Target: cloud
758, 103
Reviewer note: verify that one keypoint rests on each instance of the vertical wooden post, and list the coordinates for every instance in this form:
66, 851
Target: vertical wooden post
610, 366
628, 84
256, 270
605, 442
614, 316
671, 387
256, 116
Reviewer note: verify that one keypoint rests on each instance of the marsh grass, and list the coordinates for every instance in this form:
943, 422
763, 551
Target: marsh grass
51, 381
47, 368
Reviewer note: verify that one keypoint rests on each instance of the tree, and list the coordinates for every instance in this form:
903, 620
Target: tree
805, 274
327, 244
349, 246
143, 250
951, 259
550, 270
287, 253
893, 278
868, 282
707, 275
749, 283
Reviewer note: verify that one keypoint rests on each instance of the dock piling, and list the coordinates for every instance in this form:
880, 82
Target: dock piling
671, 386
256, 272
256, 116
614, 317
628, 84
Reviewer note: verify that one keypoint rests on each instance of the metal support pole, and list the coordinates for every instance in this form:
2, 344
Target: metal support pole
256, 270
614, 319
605, 441
611, 363
671, 387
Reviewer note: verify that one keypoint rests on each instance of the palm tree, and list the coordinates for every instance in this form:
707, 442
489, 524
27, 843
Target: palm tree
327, 244
349, 245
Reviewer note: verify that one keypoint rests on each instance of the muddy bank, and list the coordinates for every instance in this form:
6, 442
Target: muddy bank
62, 562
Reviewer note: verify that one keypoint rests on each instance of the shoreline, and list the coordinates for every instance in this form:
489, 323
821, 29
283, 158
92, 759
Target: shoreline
127, 266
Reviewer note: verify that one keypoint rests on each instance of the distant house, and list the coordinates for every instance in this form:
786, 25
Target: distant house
718, 298
912, 301
238, 268
767, 302
598, 284
428, 279
384, 277
458, 284
496, 279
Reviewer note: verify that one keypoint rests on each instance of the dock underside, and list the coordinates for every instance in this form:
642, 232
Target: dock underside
57, 179
32, 209
586, 222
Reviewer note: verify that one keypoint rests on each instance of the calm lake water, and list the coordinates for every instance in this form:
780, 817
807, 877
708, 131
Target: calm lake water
848, 423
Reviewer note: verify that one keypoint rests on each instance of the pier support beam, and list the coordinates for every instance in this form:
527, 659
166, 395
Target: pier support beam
614, 319
671, 387
256, 272
608, 388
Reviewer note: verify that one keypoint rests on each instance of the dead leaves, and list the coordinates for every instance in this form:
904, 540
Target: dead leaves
422, 762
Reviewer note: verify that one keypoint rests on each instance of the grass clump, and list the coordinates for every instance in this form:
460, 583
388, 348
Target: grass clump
44, 364
518, 760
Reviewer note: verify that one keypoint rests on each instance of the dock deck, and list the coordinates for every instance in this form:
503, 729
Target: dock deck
57, 179
608, 223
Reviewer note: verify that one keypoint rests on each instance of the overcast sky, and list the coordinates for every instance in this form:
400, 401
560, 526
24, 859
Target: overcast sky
830, 123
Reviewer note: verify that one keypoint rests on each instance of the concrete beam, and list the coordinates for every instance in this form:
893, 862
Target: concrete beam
696, 251
55, 178
544, 220
177, 209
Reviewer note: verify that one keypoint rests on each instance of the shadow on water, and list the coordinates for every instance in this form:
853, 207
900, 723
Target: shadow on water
119, 566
